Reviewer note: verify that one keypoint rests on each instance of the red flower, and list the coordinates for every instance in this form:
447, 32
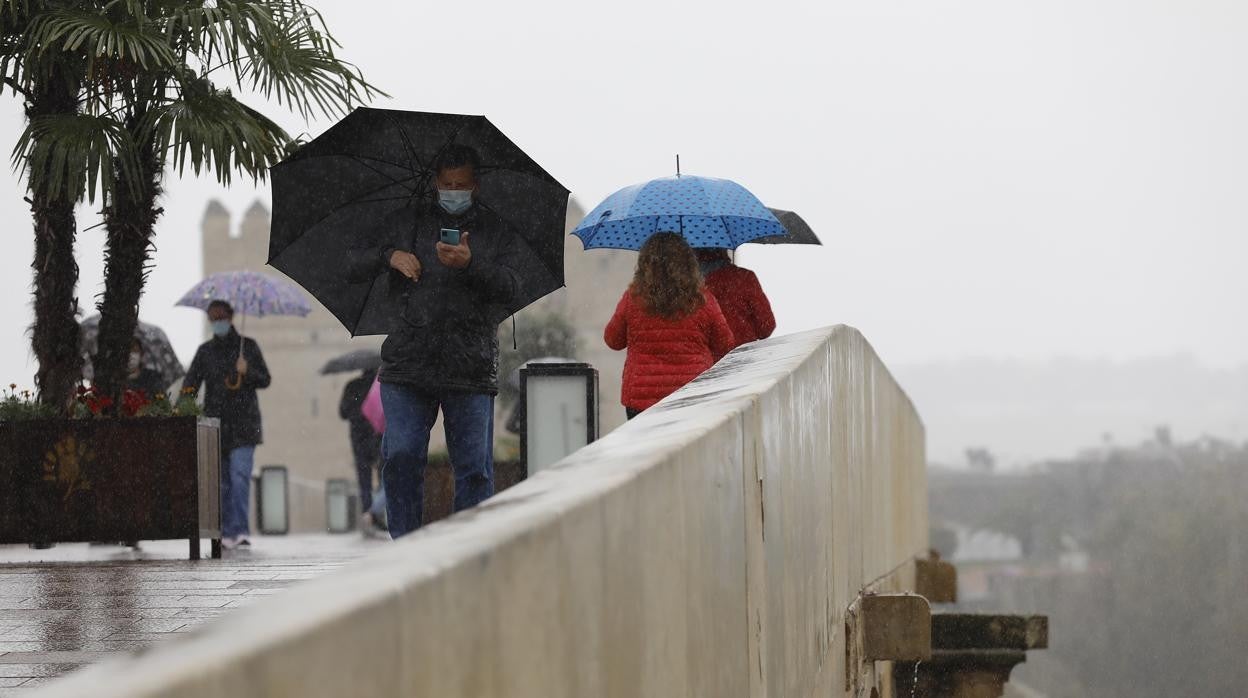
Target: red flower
132, 401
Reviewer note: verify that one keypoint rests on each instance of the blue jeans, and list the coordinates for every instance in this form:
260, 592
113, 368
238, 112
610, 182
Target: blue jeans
410, 414
236, 491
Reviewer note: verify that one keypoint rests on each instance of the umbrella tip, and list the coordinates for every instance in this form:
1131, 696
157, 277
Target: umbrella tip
677, 164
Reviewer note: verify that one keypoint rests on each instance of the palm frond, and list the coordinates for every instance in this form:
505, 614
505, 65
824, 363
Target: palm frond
296, 66
72, 155
208, 129
99, 35
218, 35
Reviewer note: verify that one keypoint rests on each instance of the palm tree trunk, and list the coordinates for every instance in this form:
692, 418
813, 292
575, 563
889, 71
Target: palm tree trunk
54, 333
130, 222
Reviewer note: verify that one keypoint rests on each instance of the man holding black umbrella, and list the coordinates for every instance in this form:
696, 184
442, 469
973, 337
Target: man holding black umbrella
431, 229
451, 272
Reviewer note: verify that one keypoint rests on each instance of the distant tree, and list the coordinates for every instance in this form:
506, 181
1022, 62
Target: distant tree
536, 337
981, 459
1160, 609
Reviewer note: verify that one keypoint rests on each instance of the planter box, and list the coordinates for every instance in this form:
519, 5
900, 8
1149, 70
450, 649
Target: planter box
81, 480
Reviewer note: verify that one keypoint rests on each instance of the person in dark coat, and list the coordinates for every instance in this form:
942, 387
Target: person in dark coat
740, 296
140, 378
232, 369
444, 353
365, 442
671, 326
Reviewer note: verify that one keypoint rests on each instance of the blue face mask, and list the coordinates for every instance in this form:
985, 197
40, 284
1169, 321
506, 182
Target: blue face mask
454, 201
220, 328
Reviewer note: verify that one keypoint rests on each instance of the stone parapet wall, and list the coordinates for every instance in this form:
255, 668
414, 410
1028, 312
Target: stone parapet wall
710, 547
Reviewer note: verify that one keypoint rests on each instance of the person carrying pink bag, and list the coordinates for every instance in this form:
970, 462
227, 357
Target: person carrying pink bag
371, 407
374, 518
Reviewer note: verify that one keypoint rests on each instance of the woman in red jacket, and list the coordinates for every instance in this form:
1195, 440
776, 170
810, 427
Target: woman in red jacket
672, 327
740, 297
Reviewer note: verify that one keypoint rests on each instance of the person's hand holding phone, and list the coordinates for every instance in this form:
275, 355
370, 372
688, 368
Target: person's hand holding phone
406, 264
455, 256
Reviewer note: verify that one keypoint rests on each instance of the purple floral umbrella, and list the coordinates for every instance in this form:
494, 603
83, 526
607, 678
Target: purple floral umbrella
250, 293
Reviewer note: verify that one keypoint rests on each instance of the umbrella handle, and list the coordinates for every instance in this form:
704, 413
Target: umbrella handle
238, 377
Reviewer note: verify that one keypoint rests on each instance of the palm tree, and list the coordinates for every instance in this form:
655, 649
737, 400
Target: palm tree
149, 101
49, 86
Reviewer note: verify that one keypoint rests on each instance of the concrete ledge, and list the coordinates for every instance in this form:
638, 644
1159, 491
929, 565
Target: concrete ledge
957, 631
936, 580
895, 627
709, 548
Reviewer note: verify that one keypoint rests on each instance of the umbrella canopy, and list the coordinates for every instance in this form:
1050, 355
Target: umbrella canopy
250, 293
332, 195
158, 354
358, 360
799, 232
709, 212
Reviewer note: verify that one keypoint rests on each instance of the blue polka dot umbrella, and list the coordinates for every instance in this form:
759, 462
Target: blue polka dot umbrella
708, 212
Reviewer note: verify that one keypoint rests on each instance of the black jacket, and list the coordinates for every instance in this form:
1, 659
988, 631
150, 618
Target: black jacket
446, 338
237, 408
365, 443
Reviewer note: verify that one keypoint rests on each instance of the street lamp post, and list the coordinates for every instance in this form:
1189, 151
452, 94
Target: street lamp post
561, 412
273, 501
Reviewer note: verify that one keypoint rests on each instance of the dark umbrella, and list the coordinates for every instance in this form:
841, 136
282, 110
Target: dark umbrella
358, 360
332, 194
158, 353
799, 232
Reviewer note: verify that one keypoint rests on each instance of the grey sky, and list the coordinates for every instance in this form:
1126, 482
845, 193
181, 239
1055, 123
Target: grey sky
991, 178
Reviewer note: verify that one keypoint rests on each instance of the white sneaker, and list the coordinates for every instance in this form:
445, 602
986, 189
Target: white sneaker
229, 542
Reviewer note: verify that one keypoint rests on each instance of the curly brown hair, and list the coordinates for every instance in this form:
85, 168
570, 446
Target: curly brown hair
667, 281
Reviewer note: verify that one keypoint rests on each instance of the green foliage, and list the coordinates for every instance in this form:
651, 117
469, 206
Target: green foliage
184, 406
18, 406
145, 72
73, 153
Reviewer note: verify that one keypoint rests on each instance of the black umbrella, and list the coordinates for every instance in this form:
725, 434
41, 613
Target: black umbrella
333, 193
358, 360
799, 232
158, 353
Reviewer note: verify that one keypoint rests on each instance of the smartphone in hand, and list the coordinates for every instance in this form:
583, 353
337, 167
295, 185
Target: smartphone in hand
450, 236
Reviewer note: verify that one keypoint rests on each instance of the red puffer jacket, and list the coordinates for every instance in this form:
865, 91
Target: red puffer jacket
743, 303
663, 355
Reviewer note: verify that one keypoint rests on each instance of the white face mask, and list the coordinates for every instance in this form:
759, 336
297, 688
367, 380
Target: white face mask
135, 361
455, 201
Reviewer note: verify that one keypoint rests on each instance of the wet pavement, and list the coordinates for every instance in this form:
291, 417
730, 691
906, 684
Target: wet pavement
75, 604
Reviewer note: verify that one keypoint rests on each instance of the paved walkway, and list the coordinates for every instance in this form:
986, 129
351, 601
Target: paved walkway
75, 604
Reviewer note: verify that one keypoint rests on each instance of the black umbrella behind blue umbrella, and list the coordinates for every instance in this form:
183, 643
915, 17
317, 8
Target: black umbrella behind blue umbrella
335, 194
799, 232
358, 360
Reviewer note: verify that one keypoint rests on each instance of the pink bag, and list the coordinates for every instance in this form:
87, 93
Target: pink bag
371, 408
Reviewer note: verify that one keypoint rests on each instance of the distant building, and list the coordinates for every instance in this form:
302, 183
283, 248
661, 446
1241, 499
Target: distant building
301, 424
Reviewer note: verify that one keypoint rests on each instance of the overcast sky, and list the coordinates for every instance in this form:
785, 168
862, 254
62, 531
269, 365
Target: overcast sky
991, 177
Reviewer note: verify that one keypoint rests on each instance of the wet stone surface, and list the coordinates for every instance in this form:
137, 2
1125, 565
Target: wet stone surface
75, 604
